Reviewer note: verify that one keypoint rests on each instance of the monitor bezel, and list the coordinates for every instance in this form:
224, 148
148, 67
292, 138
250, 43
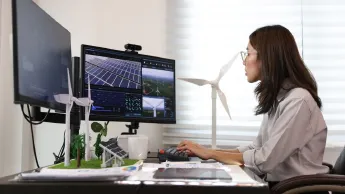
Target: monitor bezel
19, 98
122, 119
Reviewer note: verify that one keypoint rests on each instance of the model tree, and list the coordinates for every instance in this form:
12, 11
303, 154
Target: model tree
78, 148
102, 131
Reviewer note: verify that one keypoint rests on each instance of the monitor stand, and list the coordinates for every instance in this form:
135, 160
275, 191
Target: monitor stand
132, 129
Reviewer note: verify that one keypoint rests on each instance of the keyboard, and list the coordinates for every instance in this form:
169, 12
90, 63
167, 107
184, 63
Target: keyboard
171, 154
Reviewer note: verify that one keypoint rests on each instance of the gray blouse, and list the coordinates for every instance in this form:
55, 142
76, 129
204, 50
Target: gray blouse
291, 140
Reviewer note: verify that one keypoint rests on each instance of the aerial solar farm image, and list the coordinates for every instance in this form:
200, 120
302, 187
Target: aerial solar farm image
105, 71
158, 88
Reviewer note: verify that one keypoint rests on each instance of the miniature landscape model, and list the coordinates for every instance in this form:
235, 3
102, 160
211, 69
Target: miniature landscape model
106, 153
78, 148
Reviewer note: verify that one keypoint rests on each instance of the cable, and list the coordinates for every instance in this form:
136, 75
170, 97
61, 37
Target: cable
62, 150
60, 157
29, 118
33, 139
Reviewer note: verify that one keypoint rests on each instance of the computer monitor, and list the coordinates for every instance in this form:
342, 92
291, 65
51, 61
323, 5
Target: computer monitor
41, 56
127, 86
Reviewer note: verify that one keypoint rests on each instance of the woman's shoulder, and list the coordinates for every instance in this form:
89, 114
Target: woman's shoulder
300, 100
299, 95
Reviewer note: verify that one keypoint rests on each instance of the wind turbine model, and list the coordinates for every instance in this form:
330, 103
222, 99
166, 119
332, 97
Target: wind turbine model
68, 100
215, 88
152, 105
87, 103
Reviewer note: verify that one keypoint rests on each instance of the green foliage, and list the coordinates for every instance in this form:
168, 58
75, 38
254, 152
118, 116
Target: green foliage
94, 164
96, 127
105, 130
78, 142
102, 131
98, 149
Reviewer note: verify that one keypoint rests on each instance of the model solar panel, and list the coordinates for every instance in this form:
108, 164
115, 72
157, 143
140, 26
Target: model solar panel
114, 148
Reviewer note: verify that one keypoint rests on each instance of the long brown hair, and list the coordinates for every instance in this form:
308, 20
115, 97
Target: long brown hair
280, 60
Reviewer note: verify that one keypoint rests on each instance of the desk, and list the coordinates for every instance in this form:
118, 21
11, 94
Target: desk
242, 183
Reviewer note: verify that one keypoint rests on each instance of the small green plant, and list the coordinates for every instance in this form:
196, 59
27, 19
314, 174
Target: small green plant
78, 148
102, 131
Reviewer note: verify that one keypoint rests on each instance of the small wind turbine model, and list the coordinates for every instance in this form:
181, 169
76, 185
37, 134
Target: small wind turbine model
215, 88
68, 100
87, 103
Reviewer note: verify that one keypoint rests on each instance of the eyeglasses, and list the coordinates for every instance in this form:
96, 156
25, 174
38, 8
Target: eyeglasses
244, 54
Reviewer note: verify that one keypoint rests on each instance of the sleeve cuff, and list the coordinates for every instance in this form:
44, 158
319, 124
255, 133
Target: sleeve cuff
249, 161
243, 148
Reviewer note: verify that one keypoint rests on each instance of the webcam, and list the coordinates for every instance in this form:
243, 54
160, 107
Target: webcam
132, 47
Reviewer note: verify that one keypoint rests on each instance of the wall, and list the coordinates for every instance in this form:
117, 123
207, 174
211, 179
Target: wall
15, 139
111, 24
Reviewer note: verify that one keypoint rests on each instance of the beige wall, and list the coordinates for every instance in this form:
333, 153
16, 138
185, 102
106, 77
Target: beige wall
105, 23
15, 140
110, 24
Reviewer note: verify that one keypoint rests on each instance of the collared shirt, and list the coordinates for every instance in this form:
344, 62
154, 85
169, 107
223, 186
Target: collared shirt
291, 140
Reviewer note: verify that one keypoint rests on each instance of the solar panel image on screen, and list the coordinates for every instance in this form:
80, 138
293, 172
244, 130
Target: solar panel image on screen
106, 71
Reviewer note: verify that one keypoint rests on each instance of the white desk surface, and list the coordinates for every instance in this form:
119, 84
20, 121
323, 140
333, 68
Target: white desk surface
146, 173
239, 177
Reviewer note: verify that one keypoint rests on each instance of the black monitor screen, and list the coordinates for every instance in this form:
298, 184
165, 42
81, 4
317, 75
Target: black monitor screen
129, 87
42, 54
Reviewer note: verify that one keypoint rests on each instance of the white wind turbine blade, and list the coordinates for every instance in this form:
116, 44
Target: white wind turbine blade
69, 104
226, 67
91, 105
82, 101
62, 98
87, 134
70, 92
67, 137
87, 115
89, 92
199, 82
85, 101
222, 98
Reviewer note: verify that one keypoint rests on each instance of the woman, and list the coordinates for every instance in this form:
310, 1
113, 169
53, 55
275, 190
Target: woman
292, 137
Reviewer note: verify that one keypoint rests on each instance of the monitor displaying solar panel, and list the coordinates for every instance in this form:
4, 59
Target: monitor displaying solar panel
127, 86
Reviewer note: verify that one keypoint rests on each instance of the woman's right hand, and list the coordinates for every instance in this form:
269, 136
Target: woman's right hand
194, 149
187, 142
